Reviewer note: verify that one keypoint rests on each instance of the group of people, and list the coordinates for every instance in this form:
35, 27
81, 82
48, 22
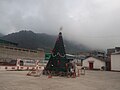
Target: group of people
72, 69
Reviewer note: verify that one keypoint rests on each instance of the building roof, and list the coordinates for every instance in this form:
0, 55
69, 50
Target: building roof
96, 58
116, 53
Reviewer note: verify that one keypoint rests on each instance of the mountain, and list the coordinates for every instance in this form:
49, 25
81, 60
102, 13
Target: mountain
31, 40
1, 35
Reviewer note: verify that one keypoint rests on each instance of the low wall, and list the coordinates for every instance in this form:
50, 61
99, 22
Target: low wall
20, 67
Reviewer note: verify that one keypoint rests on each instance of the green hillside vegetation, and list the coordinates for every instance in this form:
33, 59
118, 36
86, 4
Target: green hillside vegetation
1, 35
31, 40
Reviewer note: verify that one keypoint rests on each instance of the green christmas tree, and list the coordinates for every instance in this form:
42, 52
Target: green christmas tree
58, 60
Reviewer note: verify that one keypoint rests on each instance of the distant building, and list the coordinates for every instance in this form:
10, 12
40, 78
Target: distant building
115, 61
109, 52
98, 54
9, 53
84, 54
92, 63
70, 57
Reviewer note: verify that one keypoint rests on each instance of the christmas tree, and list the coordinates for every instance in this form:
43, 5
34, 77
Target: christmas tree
58, 60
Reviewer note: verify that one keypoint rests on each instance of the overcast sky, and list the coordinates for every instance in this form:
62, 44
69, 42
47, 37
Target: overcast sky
95, 23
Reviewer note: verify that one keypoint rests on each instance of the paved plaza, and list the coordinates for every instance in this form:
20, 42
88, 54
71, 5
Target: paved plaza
92, 80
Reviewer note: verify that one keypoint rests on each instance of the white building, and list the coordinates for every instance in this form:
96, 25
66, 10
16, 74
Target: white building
94, 63
115, 61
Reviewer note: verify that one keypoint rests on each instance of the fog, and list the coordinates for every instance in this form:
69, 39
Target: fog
94, 23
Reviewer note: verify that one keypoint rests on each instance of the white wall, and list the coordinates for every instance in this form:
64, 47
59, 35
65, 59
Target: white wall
14, 54
115, 62
97, 64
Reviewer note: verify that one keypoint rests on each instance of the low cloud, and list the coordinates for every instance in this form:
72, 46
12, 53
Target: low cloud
94, 23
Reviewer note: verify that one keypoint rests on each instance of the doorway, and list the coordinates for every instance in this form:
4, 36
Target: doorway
91, 65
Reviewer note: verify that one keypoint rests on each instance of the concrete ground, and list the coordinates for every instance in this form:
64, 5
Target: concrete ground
93, 80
